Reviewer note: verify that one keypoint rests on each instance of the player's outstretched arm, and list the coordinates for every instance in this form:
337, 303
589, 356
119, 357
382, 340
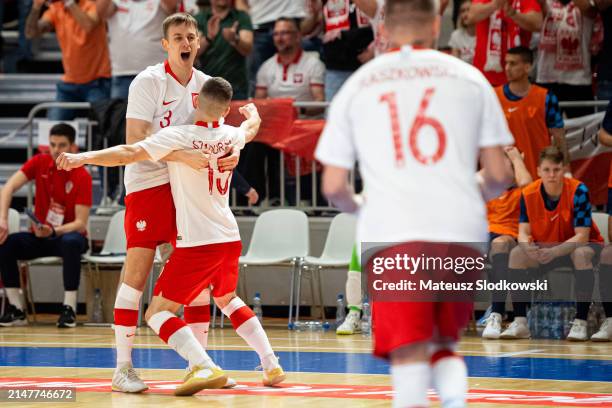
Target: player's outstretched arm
496, 171
111, 157
252, 122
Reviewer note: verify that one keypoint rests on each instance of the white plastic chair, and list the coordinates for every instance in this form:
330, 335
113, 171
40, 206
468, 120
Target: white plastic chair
115, 244
280, 237
336, 254
601, 220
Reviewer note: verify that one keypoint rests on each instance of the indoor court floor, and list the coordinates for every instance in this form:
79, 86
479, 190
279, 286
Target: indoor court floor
323, 370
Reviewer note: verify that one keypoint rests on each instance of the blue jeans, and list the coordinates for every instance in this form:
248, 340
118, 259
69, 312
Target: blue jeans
23, 246
334, 81
96, 90
263, 49
120, 86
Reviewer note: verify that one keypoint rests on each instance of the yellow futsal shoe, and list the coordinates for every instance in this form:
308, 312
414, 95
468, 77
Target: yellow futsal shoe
274, 376
200, 378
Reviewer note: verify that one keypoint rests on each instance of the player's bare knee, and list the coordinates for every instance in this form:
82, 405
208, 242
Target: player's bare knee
224, 300
582, 257
502, 245
410, 353
518, 258
606, 255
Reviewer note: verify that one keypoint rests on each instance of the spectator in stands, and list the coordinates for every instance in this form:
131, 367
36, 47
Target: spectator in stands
604, 74
532, 112
263, 15
503, 215
463, 39
82, 38
564, 52
63, 200
348, 35
605, 267
291, 73
134, 38
24, 49
554, 225
226, 40
501, 25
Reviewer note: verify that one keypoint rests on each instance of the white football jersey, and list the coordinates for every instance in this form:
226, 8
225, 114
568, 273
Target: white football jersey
156, 96
201, 198
415, 121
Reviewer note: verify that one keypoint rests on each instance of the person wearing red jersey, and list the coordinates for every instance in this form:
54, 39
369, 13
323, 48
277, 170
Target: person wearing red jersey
555, 227
62, 204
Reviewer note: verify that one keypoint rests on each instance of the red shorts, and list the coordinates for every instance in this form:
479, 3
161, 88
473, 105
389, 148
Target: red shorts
191, 270
150, 217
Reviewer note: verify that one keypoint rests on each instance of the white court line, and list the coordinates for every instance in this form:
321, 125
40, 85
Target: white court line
519, 353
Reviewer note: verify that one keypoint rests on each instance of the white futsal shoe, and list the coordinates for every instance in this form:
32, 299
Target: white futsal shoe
125, 379
518, 329
492, 330
578, 332
351, 324
605, 331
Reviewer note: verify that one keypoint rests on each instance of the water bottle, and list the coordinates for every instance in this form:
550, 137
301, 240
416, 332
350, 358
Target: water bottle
557, 321
340, 310
534, 326
97, 315
544, 321
366, 319
257, 307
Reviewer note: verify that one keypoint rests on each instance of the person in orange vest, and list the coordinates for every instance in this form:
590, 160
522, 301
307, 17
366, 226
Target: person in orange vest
605, 267
532, 112
555, 226
503, 216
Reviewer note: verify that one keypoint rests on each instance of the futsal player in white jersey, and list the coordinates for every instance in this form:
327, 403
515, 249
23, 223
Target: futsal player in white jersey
162, 95
208, 241
417, 121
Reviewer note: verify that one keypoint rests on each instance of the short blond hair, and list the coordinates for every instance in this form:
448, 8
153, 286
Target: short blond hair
178, 19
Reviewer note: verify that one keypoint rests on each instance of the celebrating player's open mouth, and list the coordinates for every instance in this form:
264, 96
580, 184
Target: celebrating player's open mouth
181, 42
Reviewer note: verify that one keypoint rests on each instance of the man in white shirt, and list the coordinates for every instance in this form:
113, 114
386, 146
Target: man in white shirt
162, 95
417, 121
133, 37
207, 230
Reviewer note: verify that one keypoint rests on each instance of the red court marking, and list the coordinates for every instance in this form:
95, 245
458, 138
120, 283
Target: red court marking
544, 398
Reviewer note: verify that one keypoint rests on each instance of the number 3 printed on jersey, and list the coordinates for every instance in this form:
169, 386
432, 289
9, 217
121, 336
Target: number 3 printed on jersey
421, 120
165, 122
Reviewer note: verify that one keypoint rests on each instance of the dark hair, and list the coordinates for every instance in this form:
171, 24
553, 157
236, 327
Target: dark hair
63, 129
525, 53
402, 12
218, 90
551, 153
291, 20
178, 19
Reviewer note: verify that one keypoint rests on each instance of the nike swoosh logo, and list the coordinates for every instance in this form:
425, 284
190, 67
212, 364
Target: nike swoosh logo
168, 103
130, 335
512, 109
554, 217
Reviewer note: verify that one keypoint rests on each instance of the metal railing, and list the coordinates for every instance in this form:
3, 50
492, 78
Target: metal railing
265, 202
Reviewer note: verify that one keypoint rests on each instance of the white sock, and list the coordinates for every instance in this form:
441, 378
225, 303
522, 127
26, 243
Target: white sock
126, 319
249, 328
353, 289
180, 337
410, 383
70, 299
16, 298
450, 381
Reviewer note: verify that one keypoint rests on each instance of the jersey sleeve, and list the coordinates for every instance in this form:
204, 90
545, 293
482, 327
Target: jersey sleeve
238, 137
453, 42
336, 146
582, 207
162, 143
142, 98
317, 74
554, 119
494, 127
262, 80
244, 21
523, 218
30, 168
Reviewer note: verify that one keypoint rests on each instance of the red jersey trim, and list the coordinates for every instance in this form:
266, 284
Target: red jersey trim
286, 67
173, 75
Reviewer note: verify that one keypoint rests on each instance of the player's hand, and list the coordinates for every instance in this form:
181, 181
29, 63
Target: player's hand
531, 250
69, 161
545, 255
196, 159
44, 231
230, 33
512, 152
3, 230
249, 110
229, 161
252, 196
